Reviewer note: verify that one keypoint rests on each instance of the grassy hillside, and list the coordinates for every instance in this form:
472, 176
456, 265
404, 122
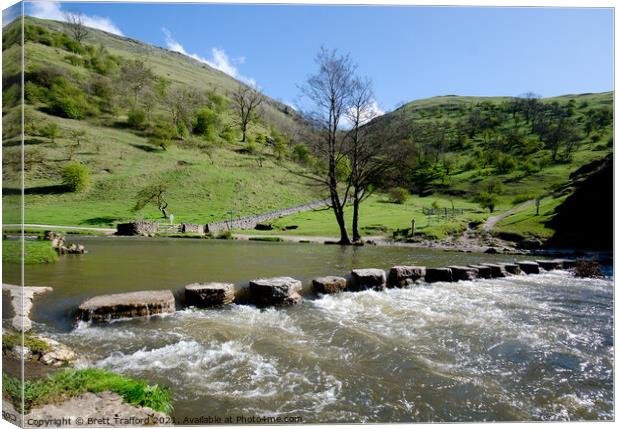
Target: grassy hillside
78, 90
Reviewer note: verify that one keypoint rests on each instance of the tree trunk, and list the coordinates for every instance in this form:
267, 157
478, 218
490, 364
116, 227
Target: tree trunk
244, 129
355, 226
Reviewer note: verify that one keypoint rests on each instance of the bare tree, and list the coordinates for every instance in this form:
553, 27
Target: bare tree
330, 91
363, 151
246, 100
180, 102
137, 75
76, 25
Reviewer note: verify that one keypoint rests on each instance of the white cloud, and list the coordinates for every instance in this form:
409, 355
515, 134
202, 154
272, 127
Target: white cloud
53, 10
373, 111
219, 59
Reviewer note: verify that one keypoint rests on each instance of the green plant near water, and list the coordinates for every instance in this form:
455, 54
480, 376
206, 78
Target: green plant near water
71, 383
35, 252
12, 339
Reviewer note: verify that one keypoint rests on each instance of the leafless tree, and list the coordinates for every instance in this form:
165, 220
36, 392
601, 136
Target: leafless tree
330, 91
137, 75
363, 150
180, 102
246, 99
76, 25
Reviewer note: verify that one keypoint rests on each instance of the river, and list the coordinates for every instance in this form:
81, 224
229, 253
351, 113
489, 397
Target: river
521, 348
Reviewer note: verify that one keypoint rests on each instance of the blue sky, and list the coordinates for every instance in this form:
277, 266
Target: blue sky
408, 52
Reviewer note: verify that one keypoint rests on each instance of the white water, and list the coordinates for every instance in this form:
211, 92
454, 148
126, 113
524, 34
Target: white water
521, 348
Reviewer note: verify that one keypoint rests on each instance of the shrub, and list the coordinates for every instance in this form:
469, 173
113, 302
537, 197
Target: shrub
206, 123
301, 153
587, 268
136, 119
74, 60
228, 135
162, 133
486, 201
521, 198
76, 176
505, 163
398, 195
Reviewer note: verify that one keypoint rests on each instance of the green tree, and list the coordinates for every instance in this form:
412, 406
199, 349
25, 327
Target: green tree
51, 131
76, 176
154, 194
486, 201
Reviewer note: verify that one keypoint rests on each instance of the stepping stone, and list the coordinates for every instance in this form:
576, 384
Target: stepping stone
550, 264
567, 264
496, 270
484, 272
329, 284
209, 294
529, 267
22, 301
512, 268
438, 275
125, 305
278, 291
463, 273
368, 278
405, 275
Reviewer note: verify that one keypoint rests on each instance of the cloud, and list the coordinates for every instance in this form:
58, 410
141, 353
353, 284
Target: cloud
53, 10
219, 59
373, 111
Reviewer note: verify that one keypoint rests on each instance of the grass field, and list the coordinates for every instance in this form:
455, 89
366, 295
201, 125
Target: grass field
527, 224
35, 252
380, 217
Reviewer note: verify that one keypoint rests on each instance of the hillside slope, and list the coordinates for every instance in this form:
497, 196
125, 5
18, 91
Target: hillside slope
78, 90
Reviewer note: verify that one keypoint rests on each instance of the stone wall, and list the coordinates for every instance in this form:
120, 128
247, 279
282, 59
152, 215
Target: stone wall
193, 227
250, 222
139, 227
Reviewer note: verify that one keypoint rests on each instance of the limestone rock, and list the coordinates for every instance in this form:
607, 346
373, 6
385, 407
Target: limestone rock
405, 275
497, 270
550, 264
463, 273
276, 291
438, 275
484, 272
529, 267
512, 268
209, 294
329, 284
368, 278
59, 354
132, 304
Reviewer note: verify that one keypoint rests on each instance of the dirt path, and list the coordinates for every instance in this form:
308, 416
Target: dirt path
493, 220
77, 228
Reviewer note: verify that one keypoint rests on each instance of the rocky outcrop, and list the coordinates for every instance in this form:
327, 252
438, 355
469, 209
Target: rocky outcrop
368, 278
276, 291
463, 273
209, 294
22, 301
529, 267
405, 275
438, 275
484, 272
329, 284
58, 354
121, 305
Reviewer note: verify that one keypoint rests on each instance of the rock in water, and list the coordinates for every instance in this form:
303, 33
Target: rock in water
368, 278
405, 275
132, 304
512, 268
484, 272
276, 291
529, 267
329, 284
438, 275
209, 294
463, 273
553, 264
497, 270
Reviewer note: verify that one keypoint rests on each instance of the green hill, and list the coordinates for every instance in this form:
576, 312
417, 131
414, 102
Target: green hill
79, 88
